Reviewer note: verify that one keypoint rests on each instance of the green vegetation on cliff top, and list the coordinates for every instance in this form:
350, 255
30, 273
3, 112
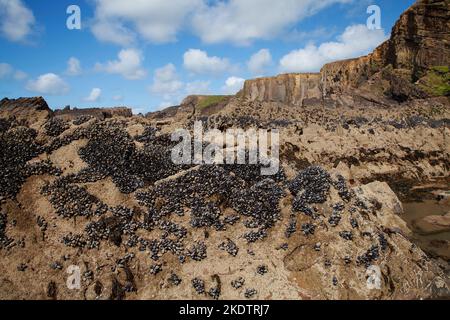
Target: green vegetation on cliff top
437, 81
208, 101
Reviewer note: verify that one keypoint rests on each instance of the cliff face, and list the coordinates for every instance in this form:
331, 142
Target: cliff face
289, 88
421, 38
420, 41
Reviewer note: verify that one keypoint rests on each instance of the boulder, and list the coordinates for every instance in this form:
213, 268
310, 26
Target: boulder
433, 224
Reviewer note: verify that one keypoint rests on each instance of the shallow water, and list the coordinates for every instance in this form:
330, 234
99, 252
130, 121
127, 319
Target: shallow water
437, 243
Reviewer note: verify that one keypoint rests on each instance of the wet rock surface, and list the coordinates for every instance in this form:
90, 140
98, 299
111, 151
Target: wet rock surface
434, 224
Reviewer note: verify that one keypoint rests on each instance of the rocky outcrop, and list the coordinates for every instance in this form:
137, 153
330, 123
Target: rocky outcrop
193, 105
397, 69
26, 104
99, 113
32, 110
420, 40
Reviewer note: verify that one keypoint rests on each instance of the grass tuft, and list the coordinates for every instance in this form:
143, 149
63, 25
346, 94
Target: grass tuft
208, 101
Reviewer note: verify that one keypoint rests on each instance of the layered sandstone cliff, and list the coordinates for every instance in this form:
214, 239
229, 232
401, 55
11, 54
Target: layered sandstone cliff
291, 88
399, 68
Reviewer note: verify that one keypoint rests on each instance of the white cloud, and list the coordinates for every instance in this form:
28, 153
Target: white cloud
356, 40
197, 87
16, 20
260, 61
166, 82
129, 65
165, 104
198, 61
113, 32
233, 85
158, 21
297, 35
20, 75
94, 96
49, 83
5, 70
73, 67
243, 21
237, 21
118, 97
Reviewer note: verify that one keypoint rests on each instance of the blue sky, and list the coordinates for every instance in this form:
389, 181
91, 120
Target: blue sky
151, 54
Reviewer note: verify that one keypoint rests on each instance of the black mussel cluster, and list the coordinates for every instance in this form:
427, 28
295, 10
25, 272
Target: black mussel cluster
81, 120
254, 236
60, 141
197, 251
208, 189
369, 256
148, 135
113, 228
190, 190
70, 200
261, 203
174, 279
42, 223
155, 269
291, 227
17, 146
250, 293
55, 126
5, 124
214, 292
335, 217
383, 242
112, 152
199, 285
262, 269
354, 223
251, 173
238, 283
223, 122
74, 240
230, 247
308, 229
311, 186
206, 215
347, 235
